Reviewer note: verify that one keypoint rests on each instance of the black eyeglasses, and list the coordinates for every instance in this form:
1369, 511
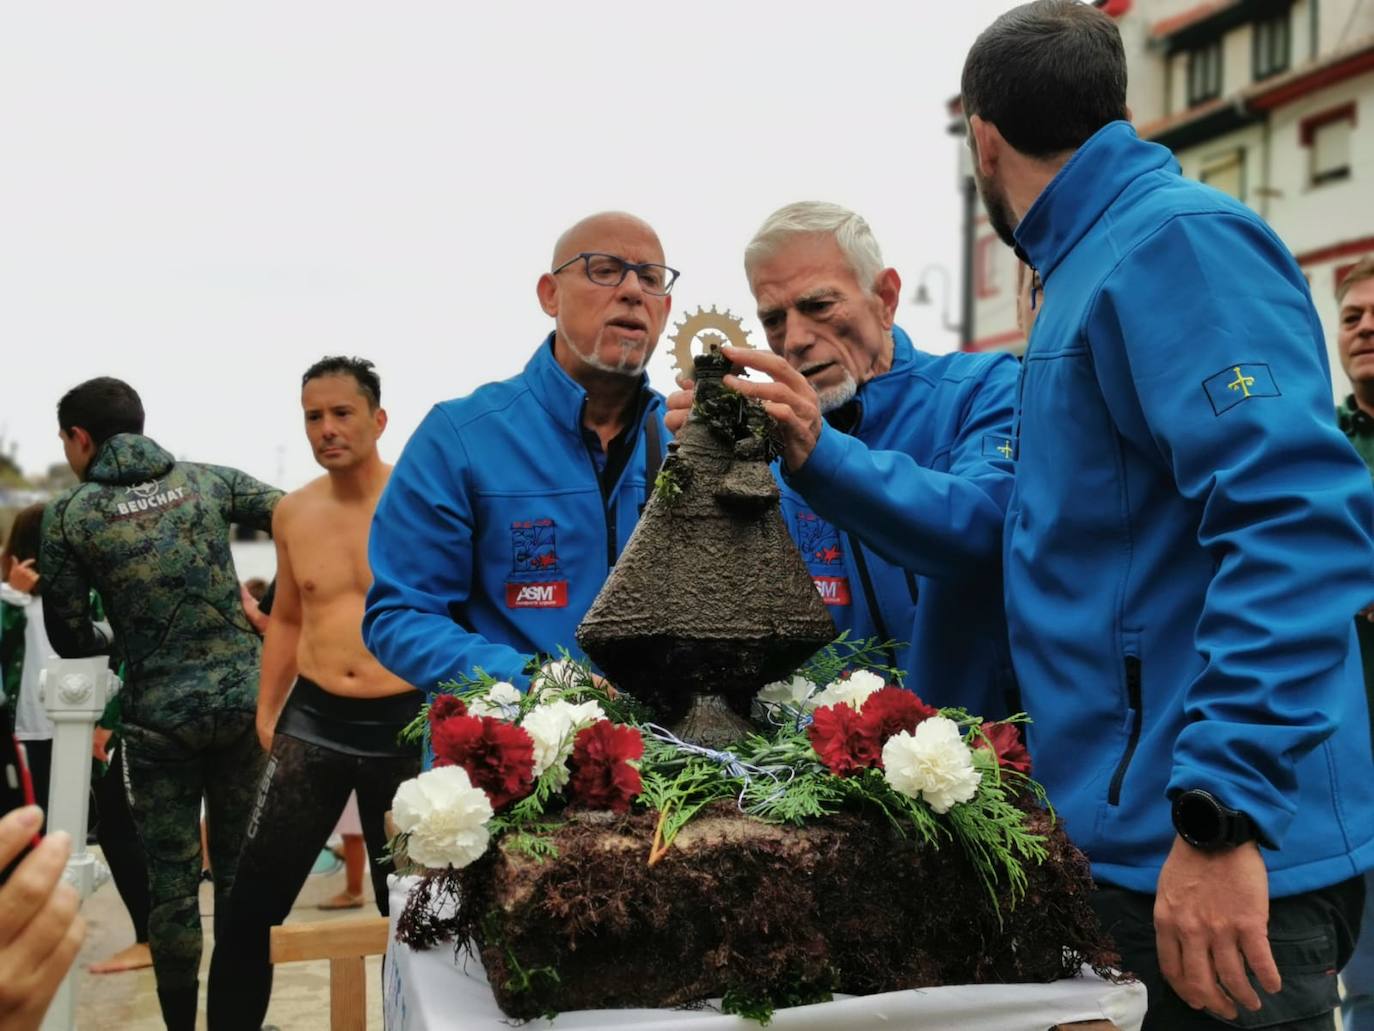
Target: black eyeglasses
608, 270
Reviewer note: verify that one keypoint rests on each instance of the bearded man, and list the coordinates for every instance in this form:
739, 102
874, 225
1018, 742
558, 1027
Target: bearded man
509, 506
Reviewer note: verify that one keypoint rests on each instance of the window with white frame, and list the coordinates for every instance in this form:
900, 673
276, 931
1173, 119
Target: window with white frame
1204, 72
1272, 46
1327, 136
1226, 172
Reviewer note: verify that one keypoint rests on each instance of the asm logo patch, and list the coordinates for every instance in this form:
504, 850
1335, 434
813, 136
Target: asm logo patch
999, 447
818, 541
1237, 383
551, 595
834, 590
534, 546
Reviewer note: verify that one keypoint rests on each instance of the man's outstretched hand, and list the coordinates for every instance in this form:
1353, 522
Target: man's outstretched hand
789, 400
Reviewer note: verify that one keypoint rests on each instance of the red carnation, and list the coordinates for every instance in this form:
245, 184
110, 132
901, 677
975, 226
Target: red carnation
890, 710
498, 756
602, 778
445, 705
1006, 743
838, 735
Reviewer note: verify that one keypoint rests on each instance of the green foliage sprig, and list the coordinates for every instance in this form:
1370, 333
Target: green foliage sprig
843, 655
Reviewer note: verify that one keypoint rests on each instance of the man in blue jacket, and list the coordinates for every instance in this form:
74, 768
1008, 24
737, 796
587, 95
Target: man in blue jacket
1187, 539
509, 506
895, 471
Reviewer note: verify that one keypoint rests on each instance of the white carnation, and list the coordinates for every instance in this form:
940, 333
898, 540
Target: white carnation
445, 816
793, 691
501, 701
558, 675
552, 727
852, 691
933, 764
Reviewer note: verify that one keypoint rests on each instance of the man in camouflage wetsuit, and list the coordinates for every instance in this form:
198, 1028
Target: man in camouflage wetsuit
151, 535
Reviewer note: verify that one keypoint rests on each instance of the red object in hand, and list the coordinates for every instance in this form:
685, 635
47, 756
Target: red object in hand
16, 790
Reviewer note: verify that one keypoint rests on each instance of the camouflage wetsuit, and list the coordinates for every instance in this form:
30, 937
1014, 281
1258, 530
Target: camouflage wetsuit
152, 536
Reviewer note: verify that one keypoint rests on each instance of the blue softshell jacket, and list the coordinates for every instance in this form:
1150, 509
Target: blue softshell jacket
1189, 532
492, 537
900, 521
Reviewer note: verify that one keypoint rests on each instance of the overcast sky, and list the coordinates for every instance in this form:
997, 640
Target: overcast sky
204, 198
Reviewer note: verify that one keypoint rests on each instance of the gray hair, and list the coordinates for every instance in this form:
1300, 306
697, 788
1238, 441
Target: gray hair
850, 231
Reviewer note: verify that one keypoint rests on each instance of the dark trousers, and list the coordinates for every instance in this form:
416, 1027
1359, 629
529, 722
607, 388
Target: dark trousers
303, 793
1311, 935
113, 824
215, 757
114, 829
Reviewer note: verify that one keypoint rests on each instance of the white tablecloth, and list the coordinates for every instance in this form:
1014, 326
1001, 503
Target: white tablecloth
430, 991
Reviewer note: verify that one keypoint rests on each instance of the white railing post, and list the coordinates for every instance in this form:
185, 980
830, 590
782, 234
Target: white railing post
74, 692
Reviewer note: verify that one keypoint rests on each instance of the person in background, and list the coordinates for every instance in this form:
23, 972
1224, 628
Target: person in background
24, 652
1355, 348
328, 714
151, 535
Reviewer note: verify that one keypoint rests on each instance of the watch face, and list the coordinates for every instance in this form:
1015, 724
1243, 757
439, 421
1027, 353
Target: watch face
1205, 823
1199, 819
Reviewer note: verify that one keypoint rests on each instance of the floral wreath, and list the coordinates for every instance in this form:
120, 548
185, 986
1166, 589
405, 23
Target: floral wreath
507, 763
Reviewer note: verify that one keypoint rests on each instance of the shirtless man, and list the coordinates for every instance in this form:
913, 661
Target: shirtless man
335, 730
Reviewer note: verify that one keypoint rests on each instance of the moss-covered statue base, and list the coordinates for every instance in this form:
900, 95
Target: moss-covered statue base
762, 914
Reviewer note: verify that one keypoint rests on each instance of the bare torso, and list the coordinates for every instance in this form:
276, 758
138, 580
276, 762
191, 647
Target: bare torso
326, 539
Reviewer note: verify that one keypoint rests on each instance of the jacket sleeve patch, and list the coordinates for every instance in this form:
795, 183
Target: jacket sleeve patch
995, 446
1237, 383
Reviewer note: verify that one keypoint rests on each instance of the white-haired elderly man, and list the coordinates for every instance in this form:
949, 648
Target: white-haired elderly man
896, 464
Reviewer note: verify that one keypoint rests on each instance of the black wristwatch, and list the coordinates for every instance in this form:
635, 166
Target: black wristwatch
1205, 823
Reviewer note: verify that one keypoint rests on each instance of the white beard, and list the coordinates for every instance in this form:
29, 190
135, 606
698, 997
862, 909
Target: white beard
840, 394
631, 363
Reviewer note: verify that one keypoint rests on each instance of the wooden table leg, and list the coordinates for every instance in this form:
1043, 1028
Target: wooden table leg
347, 994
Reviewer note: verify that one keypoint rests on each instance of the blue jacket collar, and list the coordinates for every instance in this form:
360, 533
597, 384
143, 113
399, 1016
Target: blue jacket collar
558, 393
874, 392
1110, 160
903, 354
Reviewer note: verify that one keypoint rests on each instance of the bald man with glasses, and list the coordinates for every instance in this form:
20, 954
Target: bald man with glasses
509, 506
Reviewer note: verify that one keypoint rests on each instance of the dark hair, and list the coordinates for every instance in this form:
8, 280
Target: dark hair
1048, 74
359, 368
25, 539
102, 407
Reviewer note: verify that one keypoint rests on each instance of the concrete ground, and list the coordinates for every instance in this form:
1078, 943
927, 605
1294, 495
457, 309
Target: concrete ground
128, 1002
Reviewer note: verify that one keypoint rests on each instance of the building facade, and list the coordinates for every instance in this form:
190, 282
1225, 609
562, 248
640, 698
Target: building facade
1270, 101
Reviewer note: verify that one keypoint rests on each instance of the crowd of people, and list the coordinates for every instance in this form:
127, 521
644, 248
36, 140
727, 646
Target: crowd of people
1153, 535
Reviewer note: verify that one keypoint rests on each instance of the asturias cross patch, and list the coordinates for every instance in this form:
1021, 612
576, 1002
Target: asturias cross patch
1237, 383
998, 447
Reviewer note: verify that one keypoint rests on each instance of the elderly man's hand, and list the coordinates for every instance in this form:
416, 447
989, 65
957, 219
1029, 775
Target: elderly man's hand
40, 927
789, 400
679, 406
1211, 922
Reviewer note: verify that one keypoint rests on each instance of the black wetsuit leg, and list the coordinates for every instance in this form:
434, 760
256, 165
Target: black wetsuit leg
376, 781
118, 839
325, 746
302, 795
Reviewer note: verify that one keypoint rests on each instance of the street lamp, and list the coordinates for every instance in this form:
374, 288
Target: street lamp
923, 296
